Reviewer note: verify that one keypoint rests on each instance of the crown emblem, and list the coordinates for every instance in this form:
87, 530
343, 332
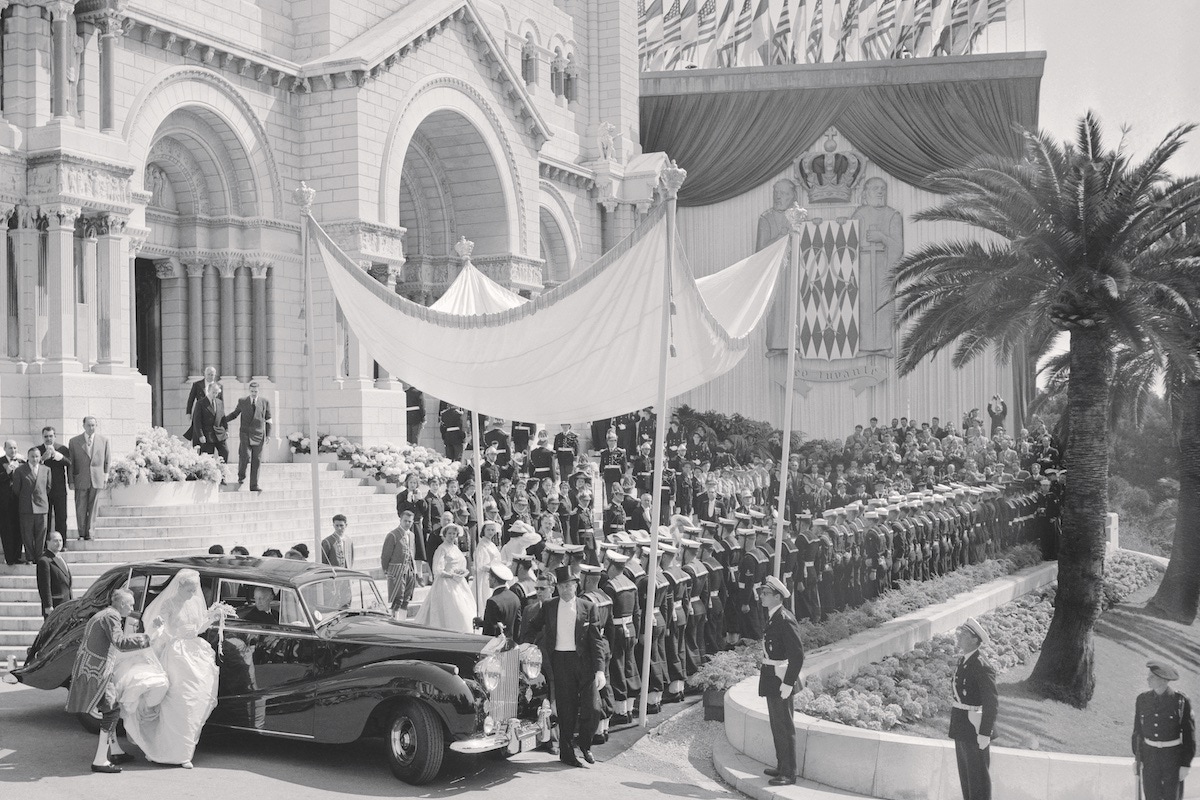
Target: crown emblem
830, 175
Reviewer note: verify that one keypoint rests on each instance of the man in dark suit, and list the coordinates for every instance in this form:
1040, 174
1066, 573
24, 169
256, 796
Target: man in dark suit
89, 457
255, 412
10, 520
973, 712
502, 612
208, 422
31, 485
53, 575
779, 677
58, 459
199, 389
414, 412
1164, 734
569, 635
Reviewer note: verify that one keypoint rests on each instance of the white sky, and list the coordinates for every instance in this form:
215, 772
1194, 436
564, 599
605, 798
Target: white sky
1133, 62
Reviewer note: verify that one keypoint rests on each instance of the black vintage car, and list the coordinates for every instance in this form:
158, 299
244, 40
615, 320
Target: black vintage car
332, 665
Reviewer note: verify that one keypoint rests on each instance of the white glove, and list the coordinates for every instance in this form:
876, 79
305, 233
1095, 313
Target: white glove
1137, 767
601, 681
983, 741
1183, 773
784, 690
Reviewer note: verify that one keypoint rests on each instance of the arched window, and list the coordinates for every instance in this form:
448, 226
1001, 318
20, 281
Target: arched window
558, 67
571, 79
529, 60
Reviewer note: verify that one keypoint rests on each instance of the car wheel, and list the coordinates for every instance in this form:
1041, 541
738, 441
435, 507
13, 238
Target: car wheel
416, 743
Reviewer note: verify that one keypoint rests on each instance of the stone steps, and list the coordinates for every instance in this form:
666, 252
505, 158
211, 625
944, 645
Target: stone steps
279, 517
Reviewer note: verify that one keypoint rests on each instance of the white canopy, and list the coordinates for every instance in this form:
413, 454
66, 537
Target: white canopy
472, 294
585, 350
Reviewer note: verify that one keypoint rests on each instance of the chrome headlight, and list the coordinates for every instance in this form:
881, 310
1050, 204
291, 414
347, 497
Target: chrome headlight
531, 660
488, 671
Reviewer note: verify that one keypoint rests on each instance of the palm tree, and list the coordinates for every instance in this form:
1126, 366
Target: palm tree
1084, 246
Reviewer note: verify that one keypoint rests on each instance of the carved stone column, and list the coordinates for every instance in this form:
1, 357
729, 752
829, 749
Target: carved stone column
244, 334
112, 296
62, 31
387, 274
195, 273
60, 289
25, 249
87, 323
9, 335
227, 268
110, 30
258, 288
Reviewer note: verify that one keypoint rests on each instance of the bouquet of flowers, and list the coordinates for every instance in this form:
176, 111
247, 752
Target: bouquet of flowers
158, 456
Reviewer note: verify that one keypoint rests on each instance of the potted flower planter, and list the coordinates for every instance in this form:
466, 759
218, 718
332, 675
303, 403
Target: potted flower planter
322, 458
164, 493
714, 705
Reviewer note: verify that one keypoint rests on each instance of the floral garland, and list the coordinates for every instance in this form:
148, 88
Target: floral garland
386, 462
732, 666
916, 685
158, 456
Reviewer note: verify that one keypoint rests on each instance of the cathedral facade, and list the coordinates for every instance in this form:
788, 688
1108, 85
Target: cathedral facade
149, 152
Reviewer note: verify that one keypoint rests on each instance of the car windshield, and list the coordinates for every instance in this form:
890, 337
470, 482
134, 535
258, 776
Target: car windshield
327, 598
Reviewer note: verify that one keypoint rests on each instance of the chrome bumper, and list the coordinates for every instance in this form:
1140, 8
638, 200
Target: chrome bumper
518, 736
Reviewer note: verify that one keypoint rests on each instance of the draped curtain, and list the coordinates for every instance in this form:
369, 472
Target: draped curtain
731, 142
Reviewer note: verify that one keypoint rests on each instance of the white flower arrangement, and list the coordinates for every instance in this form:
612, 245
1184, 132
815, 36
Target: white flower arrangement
158, 457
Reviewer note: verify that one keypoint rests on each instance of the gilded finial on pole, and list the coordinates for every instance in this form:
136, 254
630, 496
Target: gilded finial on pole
796, 217
464, 247
304, 198
672, 178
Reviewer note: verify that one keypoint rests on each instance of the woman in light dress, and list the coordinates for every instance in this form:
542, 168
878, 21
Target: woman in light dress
166, 723
450, 603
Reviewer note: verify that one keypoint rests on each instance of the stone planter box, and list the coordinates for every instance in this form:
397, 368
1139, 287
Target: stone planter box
322, 458
714, 705
164, 493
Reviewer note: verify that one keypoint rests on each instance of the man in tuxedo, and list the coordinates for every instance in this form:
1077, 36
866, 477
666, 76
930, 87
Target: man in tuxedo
53, 575
255, 412
569, 634
502, 612
10, 521
89, 457
31, 485
199, 390
58, 459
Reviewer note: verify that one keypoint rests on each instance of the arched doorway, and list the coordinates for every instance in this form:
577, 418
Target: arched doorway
450, 186
554, 250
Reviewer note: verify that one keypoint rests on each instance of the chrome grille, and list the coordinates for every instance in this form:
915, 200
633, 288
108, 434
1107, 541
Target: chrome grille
504, 699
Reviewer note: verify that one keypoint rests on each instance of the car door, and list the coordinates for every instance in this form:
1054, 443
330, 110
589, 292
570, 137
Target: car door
266, 667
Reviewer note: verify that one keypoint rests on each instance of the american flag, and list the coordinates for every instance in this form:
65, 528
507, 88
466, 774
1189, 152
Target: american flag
816, 27
849, 29
877, 42
741, 31
781, 49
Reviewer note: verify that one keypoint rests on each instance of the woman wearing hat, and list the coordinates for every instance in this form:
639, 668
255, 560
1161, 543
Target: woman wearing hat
1164, 735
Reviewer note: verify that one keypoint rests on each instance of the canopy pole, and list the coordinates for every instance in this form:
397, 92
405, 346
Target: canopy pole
795, 217
672, 178
476, 441
304, 198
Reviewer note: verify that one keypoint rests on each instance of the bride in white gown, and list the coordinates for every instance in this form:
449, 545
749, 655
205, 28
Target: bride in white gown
449, 604
166, 725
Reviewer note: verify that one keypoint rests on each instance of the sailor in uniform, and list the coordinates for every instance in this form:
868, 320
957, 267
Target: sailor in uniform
1164, 734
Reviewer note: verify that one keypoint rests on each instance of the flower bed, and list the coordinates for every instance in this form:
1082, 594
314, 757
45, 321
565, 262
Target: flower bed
728, 668
159, 457
385, 462
916, 685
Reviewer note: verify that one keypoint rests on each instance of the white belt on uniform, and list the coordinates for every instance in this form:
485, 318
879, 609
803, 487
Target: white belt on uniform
714, 593
453, 429
1160, 745
965, 707
809, 564
774, 662
679, 605
623, 621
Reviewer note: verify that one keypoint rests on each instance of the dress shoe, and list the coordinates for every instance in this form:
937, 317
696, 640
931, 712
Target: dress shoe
619, 719
782, 780
771, 772
672, 697
554, 748
600, 738
654, 708
569, 759
107, 767
256, 488
121, 758
587, 756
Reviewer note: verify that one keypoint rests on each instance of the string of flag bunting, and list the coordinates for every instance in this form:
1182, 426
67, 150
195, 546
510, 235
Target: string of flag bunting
680, 34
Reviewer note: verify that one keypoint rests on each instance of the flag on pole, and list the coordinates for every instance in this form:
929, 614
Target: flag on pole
939, 27
923, 16
650, 34
868, 13
798, 10
729, 16
906, 19
877, 42
848, 43
741, 32
706, 30
960, 27
690, 29
833, 32
672, 33
781, 40
815, 33
759, 35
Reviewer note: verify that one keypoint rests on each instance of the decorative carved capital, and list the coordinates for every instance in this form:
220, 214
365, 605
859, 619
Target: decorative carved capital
60, 9
137, 237
226, 265
61, 215
195, 269
304, 198
166, 268
259, 269
6, 209
464, 247
673, 178
27, 216
110, 224
796, 216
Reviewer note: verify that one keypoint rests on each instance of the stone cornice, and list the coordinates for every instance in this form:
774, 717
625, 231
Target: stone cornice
566, 173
